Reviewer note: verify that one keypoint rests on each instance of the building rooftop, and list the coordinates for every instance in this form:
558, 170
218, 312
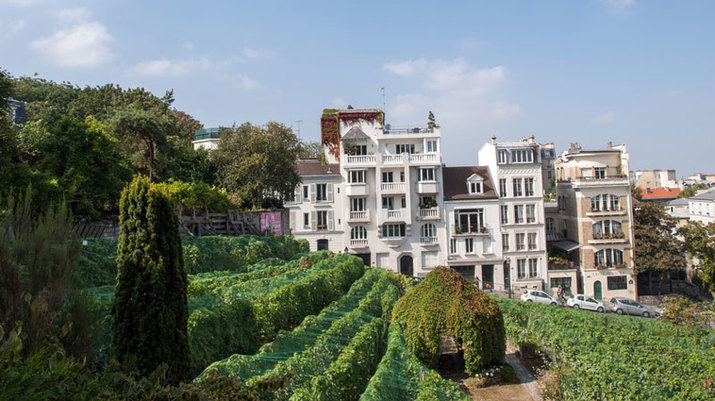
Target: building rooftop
679, 202
315, 167
455, 183
710, 196
659, 193
355, 134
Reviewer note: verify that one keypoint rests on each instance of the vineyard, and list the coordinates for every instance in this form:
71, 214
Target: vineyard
285, 324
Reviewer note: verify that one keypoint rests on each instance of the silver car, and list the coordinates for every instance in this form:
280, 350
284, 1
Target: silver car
580, 301
538, 296
628, 306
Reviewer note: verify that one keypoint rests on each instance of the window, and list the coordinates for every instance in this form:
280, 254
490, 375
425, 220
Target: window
469, 245
531, 213
586, 173
387, 203
532, 241
550, 224
502, 156
393, 230
403, 202
360, 150
505, 242
427, 174
516, 186
522, 156
520, 241
608, 258
306, 193
605, 202
405, 148
387, 176
453, 246
306, 220
475, 187
502, 187
505, 214
599, 172
321, 192
356, 176
561, 281
469, 220
529, 186
607, 229
357, 204
432, 146
614, 203
358, 232
533, 267
521, 268
322, 219
518, 214
617, 282
429, 231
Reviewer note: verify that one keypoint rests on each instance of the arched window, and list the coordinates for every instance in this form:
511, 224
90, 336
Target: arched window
605, 202
608, 258
429, 231
608, 229
358, 232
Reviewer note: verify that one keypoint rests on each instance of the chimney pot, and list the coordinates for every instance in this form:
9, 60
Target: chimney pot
531, 138
494, 140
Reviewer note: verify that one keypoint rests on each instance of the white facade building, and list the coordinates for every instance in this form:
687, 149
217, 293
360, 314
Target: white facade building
702, 207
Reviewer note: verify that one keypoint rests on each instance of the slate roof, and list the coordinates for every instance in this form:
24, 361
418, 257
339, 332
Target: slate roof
710, 195
455, 183
355, 134
314, 167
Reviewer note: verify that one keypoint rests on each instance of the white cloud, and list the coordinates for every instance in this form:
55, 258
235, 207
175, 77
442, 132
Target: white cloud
74, 14
605, 118
339, 103
405, 68
462, 97
16, 26
256, 54
188, 46
19, 2
166, 67
79, 46
238, 81
618, 3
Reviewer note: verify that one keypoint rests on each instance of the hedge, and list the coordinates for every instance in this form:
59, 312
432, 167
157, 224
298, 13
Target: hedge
444, 303
618, 357
241, 325
400, 376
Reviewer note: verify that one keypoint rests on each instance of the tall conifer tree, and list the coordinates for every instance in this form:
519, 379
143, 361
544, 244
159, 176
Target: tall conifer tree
150, 306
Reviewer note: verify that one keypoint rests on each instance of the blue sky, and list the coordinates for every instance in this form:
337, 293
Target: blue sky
589, 71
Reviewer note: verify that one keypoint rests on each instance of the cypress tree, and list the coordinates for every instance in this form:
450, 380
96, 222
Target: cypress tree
150, 309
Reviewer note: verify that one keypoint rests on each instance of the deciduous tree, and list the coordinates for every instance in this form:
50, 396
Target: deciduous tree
700, 243
656, 247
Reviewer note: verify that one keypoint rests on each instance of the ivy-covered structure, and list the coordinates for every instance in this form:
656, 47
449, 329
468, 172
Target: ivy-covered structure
444, 303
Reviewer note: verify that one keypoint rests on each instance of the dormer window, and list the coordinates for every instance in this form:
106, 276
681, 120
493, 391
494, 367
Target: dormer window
475, 184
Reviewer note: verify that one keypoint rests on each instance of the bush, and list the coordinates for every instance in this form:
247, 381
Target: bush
444, 303
617, 357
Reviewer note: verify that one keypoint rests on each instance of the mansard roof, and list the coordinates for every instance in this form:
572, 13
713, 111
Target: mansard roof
315, 167
455, 183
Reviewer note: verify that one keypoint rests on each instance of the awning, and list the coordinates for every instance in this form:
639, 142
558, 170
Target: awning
553, 237
566, 245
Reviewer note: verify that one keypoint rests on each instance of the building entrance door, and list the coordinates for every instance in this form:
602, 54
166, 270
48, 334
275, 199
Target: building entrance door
406, 265
597, 290
487, 277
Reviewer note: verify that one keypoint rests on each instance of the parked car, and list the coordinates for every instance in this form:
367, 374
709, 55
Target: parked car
538, 296
580, 301
628, 306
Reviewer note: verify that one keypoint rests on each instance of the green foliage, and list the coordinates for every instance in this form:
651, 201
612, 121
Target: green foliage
683, 311
196, 195
400, 376
431, 122
150, 309
444, 303
310, 150
689, 192
254, 161
700, 243
614, 357
656, 247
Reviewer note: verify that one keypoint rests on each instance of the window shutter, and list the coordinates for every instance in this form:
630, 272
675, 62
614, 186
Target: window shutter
330, 220
298, 194
329, 190
312, 195
312, 221
292, 220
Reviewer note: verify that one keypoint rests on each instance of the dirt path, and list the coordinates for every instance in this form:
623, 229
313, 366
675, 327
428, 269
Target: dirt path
526, 391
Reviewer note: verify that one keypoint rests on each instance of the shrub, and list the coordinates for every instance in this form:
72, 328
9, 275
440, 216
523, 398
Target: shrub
150, 309
444, 303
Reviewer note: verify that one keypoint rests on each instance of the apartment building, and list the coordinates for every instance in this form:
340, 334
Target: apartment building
595, 206
701, 207
652, 179
548, 156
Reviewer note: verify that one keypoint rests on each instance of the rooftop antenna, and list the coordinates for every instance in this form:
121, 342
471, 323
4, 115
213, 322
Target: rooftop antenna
382, 90
298, 130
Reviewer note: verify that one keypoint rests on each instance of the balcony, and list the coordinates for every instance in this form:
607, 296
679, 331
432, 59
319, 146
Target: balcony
395, 215
427, 187
430, 213
392, 159
358, 243
463, 231
361, 216
427, 241
425, 158
359, 160
393, 187
617, 238
357, 189
598, 213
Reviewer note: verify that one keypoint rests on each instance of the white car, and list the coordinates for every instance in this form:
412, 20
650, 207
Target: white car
538, 296
580, 301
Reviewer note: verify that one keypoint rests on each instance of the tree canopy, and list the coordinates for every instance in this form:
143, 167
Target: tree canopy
700, 243
656, 247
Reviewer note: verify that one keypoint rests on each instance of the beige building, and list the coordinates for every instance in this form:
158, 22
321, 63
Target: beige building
595, 209
651, 179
